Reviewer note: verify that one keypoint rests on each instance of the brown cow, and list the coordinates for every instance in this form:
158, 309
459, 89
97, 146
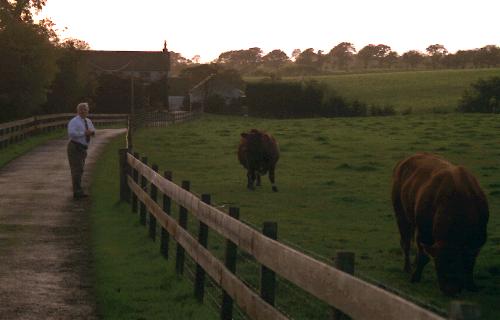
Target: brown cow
258, 152
444, 207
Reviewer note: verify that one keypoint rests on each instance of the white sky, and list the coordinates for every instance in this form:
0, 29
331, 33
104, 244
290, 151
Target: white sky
210, 27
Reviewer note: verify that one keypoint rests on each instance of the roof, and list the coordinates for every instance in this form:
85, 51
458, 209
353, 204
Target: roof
202, 82
139, 61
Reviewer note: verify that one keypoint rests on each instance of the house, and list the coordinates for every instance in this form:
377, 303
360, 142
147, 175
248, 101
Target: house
149, 68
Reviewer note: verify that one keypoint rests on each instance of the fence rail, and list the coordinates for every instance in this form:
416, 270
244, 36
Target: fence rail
161, 118
246, 298
16, 131
342, 291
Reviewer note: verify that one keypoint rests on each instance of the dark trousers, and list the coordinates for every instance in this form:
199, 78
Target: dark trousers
76, 156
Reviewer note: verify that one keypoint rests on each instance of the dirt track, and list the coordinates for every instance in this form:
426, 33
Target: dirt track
44, 251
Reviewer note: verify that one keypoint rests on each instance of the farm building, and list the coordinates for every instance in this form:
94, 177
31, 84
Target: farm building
147, 70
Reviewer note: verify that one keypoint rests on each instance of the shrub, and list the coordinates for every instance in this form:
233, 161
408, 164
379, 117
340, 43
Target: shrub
281, 99
217, 104
483, 96
382, 111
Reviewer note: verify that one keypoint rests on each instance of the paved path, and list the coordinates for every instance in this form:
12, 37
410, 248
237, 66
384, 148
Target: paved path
44, 251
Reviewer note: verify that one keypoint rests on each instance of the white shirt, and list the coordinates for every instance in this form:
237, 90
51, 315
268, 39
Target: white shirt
76, 129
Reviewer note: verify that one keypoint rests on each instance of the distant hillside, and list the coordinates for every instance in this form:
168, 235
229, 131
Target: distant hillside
418, 91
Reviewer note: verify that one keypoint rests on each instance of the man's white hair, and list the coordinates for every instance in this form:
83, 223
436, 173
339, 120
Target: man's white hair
81, 106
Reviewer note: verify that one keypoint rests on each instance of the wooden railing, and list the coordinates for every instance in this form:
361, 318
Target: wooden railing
160, 118
16, 131
342, 291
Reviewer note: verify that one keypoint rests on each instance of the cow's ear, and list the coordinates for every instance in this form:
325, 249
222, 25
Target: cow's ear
244, 134
429, 250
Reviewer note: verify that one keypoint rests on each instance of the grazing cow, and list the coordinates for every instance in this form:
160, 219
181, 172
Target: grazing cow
258, 152
444, 207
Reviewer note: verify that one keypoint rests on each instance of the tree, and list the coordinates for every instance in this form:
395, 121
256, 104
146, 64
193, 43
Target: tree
342, 54
275, 59
308, 58
488, 56
295, 54
372, 53
72, 81
27, 58
391, 59
196, 59
482, 96
20, 10
178, 62
436, 52
412, 58
241, 60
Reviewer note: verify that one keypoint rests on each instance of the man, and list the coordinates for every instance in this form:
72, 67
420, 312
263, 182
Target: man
80, 129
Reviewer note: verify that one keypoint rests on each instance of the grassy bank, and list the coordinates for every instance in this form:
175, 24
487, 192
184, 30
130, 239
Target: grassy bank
415, 91
18, 149
334, 177
133, 281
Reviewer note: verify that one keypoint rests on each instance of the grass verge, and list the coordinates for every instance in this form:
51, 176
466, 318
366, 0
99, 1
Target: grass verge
132, 280
18, 149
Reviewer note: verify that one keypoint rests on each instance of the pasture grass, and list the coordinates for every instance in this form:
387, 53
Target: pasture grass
334, 180
16, 150
132, 280
434, 91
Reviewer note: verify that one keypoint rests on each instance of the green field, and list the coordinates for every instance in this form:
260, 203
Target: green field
334, 178
418, 91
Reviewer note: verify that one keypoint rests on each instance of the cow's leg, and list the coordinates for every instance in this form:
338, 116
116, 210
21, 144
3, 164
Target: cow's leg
251, 179
258, 179
420, 261
405, 231
271, 178
469, 262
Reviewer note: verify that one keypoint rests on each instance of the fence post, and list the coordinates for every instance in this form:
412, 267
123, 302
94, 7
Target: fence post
344, 261
9, 140
462, 310
154, 196
267, 276
36, 128
179, 259
226, 312
164, 236
144, 182
124, 189
129, 132
135, 177
199, 283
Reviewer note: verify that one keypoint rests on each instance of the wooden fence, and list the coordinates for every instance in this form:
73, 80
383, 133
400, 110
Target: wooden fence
160, 118
345, 293
16, 131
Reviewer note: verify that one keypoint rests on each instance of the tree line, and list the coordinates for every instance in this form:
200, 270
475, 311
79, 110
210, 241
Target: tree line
344, 57
40, 72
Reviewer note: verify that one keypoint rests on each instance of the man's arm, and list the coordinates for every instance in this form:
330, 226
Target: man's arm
91, 127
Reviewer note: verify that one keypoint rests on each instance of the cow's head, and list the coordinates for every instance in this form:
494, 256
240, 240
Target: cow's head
450, 266
252, 137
